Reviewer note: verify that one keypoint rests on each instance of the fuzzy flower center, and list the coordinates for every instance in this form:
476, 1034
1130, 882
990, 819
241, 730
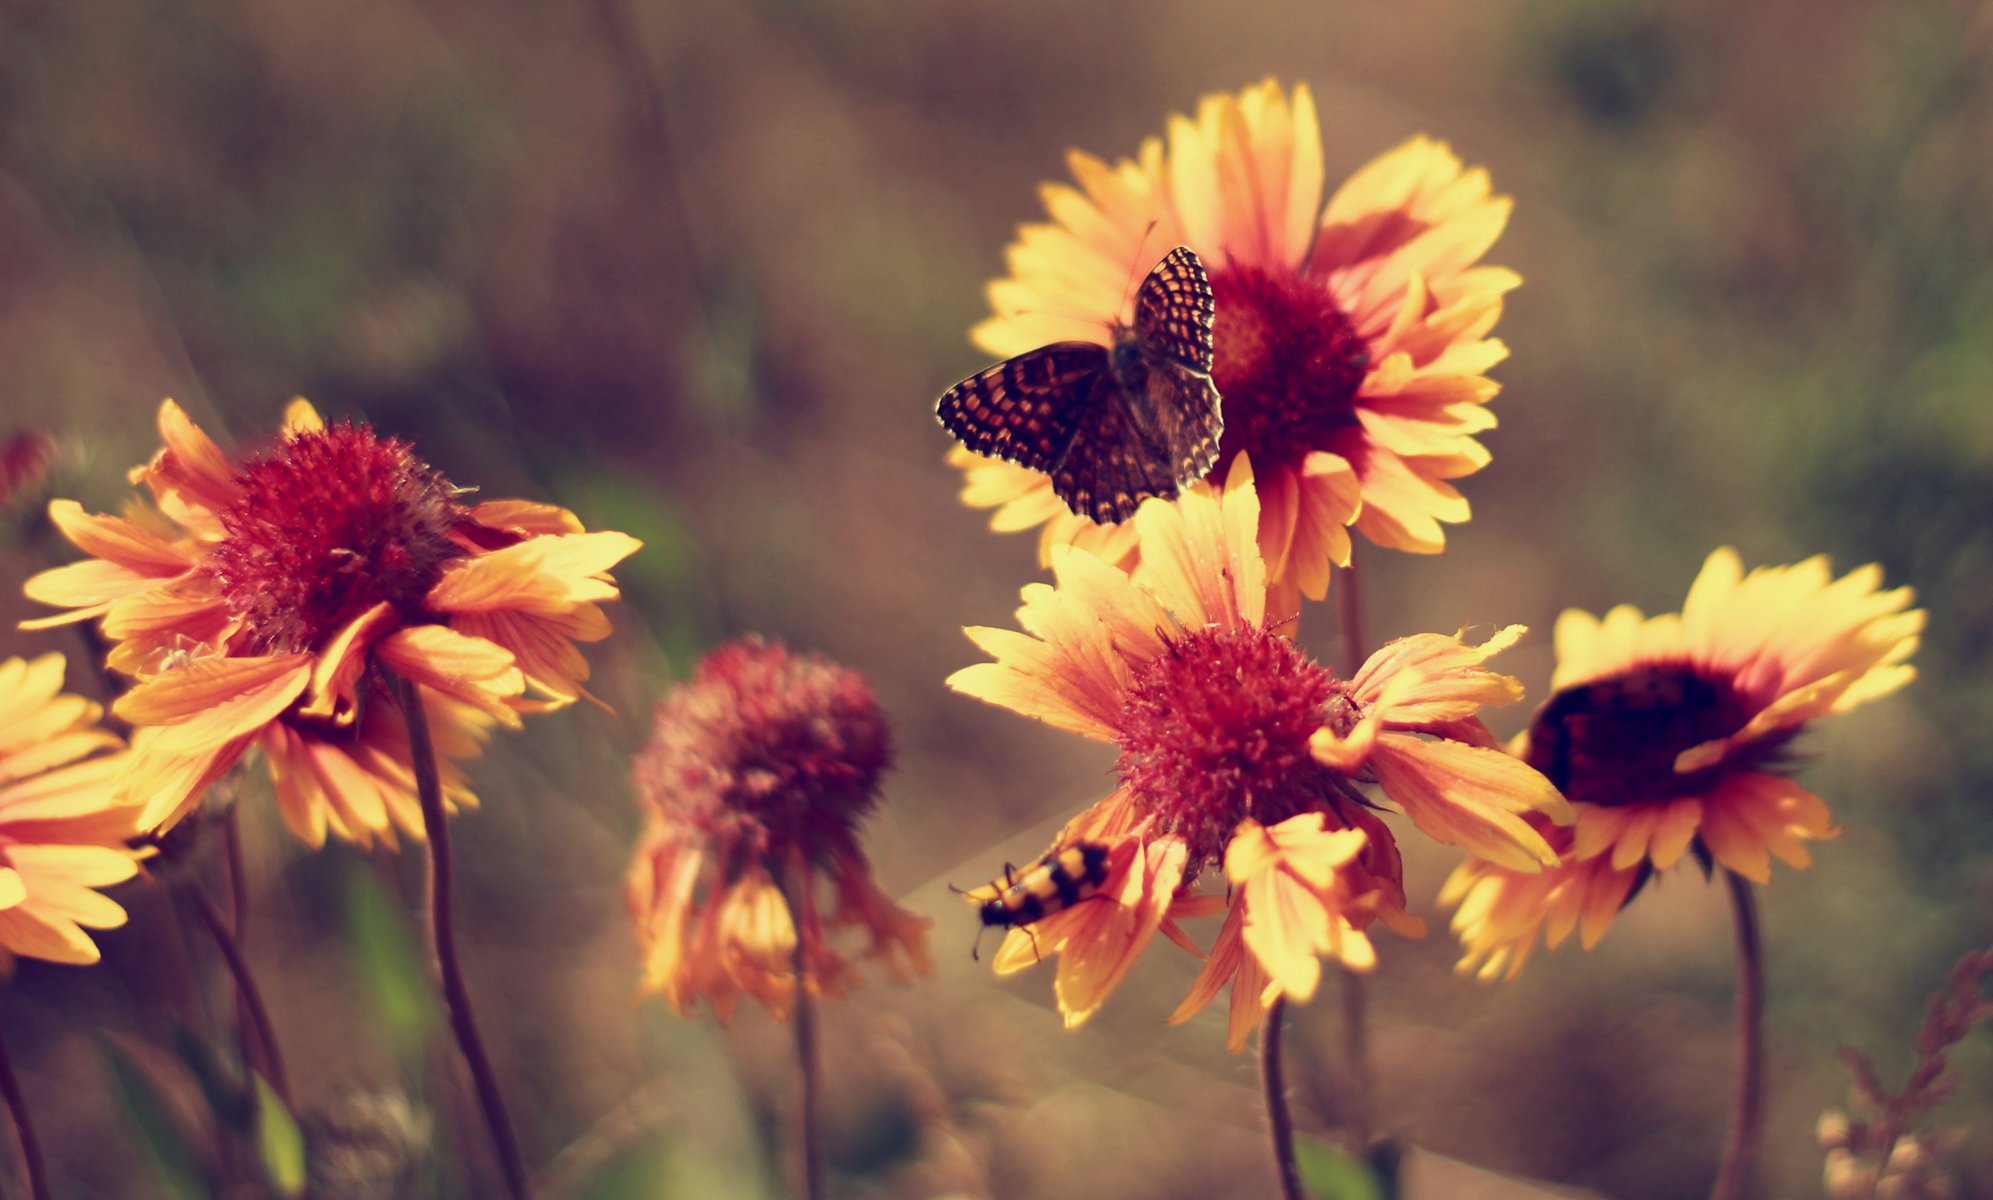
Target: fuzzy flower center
1216, 730
1287, 362
1615, 741
765, 754
330, 523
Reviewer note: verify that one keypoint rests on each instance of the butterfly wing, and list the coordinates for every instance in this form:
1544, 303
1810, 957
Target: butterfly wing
1174, 403
1027, 408
1111, 466
1173, 311
1112, 428
1179, 416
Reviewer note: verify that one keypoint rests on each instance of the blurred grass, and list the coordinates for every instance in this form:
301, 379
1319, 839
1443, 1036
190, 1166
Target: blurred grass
698, 272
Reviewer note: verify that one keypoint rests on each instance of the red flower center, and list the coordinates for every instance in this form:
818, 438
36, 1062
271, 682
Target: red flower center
1216, 730
1615, 741
1287, 363
766, 753
330, 523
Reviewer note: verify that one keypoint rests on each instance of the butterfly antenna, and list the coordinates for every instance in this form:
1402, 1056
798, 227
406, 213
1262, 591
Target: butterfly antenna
1135, 272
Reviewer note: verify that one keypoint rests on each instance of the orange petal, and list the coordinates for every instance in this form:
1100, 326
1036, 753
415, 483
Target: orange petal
477, 672
210, 701
543, 574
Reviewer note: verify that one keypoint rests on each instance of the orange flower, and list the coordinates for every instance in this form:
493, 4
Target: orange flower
1350, 343
261, 601
1237, 750
1670, 734
62, 831
1502, 911
754, 781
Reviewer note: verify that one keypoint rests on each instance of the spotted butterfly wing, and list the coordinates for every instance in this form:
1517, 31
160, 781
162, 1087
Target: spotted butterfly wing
1112, 426
1025, 409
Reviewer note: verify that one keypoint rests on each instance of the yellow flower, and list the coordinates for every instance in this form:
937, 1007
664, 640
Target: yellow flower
260, 601
1671, 733
1238, 750
62, 831
1350, 343
753, 783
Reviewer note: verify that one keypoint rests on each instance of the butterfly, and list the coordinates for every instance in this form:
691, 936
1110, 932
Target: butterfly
1112, 425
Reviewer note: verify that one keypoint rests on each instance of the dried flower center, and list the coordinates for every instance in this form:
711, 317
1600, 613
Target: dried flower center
1287, 362
1615, 741
765, 754
330, 523
1216, 730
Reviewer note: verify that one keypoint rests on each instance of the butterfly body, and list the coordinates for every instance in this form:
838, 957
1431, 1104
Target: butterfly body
1115, 424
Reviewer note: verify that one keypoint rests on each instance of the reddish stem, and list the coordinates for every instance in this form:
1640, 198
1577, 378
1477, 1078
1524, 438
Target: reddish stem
17, 1105
1740, 1148
249, 1001
808, 1060
443, 941
1279, 1121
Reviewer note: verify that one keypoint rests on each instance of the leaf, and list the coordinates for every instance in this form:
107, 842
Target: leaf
225, 1091
391, 963
279, 1142
1329, 1174
175, 1163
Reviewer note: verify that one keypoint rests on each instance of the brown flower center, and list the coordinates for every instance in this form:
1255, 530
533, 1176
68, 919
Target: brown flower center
330, 523
1288, 364
1615, 741
1216, 729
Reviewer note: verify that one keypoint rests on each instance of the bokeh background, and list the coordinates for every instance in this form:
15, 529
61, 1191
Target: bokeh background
698, 272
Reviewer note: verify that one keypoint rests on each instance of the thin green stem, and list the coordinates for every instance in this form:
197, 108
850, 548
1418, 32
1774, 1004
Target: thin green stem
17, 1105
1740, 1147
1279, 1121
443, 941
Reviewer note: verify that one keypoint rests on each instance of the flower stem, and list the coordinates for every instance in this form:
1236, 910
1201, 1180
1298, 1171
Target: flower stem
809, 1141
1350, 614
252, 1017
17, 1106
1355, 1010
1279, 1122
443, 940
257, 1029
1740, 1148
1356, 1053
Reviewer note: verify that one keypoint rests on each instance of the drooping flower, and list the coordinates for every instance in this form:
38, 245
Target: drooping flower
25, 459
755, 778
263, 600
1350, 343
63, 831
1672, 734
1240, 753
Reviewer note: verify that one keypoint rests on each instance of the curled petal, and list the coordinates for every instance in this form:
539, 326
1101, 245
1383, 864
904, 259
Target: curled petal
1470, 796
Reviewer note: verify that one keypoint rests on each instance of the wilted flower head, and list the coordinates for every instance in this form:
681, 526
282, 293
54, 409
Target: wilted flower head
63, 829
266, 599
1674, 733
756, 776
1239, 751
1350, 342
24, 462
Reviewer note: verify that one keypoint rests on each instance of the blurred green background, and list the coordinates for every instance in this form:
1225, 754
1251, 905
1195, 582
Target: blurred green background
698, 272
